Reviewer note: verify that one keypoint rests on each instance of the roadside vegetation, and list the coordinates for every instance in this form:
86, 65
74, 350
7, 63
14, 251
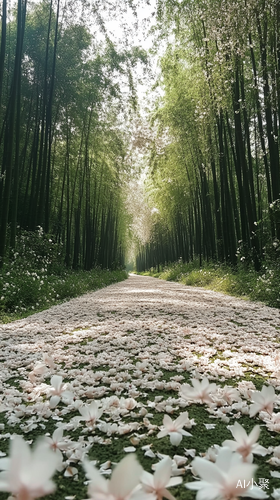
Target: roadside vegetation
35, 277
242, 281
213, 174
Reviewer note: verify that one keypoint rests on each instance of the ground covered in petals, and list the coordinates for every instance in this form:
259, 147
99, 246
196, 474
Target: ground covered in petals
147, 367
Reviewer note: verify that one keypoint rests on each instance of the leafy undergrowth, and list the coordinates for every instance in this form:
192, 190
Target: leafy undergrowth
137, 371
242, 282
35, 277
23, 294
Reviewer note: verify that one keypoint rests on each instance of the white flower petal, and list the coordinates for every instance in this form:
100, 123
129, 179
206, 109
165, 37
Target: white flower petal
175, 438
125, 477
163, 473
97, 482
254, 492
208, 471
56, 382
54, 401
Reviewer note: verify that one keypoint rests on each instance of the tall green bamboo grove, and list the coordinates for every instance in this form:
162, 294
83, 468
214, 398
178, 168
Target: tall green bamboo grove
62, 145
216, 181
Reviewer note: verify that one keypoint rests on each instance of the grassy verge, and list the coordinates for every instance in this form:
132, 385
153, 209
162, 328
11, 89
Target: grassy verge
24, 293
242, 282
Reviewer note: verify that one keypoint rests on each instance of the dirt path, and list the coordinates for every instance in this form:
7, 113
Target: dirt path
171, 325
102, 374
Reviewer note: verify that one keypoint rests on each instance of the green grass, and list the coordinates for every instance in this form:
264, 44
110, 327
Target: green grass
200, 440
24, 296
242, 282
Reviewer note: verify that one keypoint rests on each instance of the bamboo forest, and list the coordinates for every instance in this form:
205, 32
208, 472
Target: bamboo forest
95, 175
139, 249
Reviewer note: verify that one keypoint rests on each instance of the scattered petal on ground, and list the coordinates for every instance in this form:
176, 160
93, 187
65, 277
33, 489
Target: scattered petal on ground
116, 368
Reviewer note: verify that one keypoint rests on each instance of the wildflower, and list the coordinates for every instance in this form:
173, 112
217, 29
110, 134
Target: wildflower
156, 484
244, 444
27, 474
175, 428
122, 485
263, 400
224, 479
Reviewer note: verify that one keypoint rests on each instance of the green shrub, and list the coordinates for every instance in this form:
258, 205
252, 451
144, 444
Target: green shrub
242, 281
35, 277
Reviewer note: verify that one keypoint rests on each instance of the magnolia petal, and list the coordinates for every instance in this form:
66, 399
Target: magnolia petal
162, 433
54, 401
28, 469
204, 383
94, 406
4, 482
242, 471
84, 412
68, 395
163, 472
197, 485
58, 434
226, 460
175, 438
173, 481
208, 471
208, 493
276, 494
238, 432
185, 391
254, 409
167, 421
97, 482
268, 392
185, 433
20, 455
4, 463
142, 495
198, 385
275, 473
254, 434
43, 489
70, 472
258, 449
149, 453
43, 464
125, 477
232, 445
257, 397
147, 481
181, 420
254, 492
166, 494
56, 381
